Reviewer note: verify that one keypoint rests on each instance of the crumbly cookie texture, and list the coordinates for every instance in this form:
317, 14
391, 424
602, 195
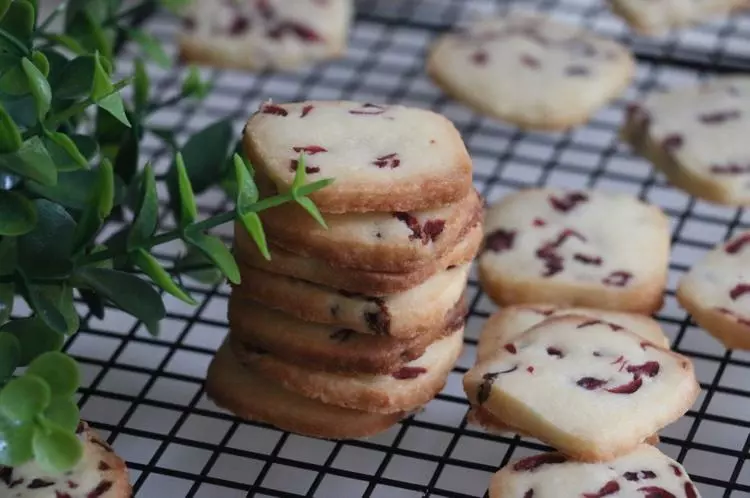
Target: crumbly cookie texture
592, 389
402, 390
653, 18
644, 472
251, 396
368, 283
99, 474
561, 74
402, 315
264, 34
716, 292
697, 136
383, 157
576, 248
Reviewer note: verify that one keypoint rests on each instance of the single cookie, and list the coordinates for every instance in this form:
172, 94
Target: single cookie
561, 74
251, 396
384, 158
323, 347
653, 18
716, 291
395, 242
403, 315
589, 388
358, 281
591, 248
510, 323
99, 474
264, 34
697, 136
646, 472
403, 390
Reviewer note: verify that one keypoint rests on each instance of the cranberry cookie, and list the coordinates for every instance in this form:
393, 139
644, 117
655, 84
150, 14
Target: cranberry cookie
264, 34
99, 474
561, 74
383, 157
589, 388
697, 136
652, 18
716, 291
645, 472
576, 248
251, 396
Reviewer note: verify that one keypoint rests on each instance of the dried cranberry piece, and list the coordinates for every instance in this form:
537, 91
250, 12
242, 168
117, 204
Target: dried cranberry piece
388, 161
649, 369
530, 61
408, 373
596, 321
553, 351
541, 311
608, 489
480, 57
530, 369
306, 110
301, 31
730, 169
500, 240
577, 70
239, 25
676, 470
60, 494
485, 388
412, 223
734, 246
6, 475
588, 260
638, 115
310, 149
276, 110
432, 230
719, 116
740, 320
510, 348
368, 110
618, 278
40, 483
739, 290
538, 222
690, 491
655, 492
294, 164
532, 463
104, 466
99, 491
637, 476
529, 494
590, 383
379, 321
628, 388
568, 201
672, 142
342, 335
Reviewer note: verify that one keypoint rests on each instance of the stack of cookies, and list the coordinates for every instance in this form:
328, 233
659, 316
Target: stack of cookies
349, 328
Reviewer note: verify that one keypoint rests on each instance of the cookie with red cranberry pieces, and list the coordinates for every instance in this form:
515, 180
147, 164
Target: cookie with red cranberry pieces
645, 472
591, 389
99, 474
561, 73
264, 34
697, 136
588, 248
654, 18
404, 389
716, 292
387, 158
251, 396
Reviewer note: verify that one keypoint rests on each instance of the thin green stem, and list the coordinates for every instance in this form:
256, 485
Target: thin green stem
79, 107
51, 17
23, 49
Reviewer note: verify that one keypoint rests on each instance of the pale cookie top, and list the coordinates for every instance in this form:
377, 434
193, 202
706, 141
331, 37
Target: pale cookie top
704, 129
560, 73
721, 280
512, 321
588, 379
656, 16
380, 155
99, 474
582, 238
646, 472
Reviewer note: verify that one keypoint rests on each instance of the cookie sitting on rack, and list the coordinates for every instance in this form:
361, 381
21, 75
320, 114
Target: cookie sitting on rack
530, 70
653, 18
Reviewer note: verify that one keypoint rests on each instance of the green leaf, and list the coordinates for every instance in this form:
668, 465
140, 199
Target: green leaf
45, 251
61, 296
151, 47
10, 355
102, 86
60, 372
18, 214
94, 302
56, 450
7, 296
39, 87
126, 161
10, 137
64, 151
34, 337
23, 398
128, 292
66, 41
31, 161
15, 443
147, 211
311, 208
14, 80
188, 208
192, 86
98, 207
160, 277
44, 307
300, 176
86, 27
247, 195
140, 86
253, 225
75, 188
77, 78
41, 63
113, 105
215, 250
64, 413
8, 255
19, 22
21, 109
4, 6
197, 266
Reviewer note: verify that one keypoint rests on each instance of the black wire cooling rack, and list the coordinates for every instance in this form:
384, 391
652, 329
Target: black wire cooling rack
145, 394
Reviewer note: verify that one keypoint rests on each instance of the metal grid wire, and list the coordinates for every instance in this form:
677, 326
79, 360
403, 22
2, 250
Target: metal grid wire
145, 394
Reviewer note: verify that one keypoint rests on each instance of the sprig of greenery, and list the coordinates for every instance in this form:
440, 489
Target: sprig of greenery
70, 161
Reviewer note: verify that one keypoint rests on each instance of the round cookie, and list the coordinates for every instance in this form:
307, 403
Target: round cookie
357, 281
576, 248
323, 347
99, 474
383, 157
251, 396
715, 292
645, 472
403, 390
561, 74
697, 136
264, 34
589, 388
654, 18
